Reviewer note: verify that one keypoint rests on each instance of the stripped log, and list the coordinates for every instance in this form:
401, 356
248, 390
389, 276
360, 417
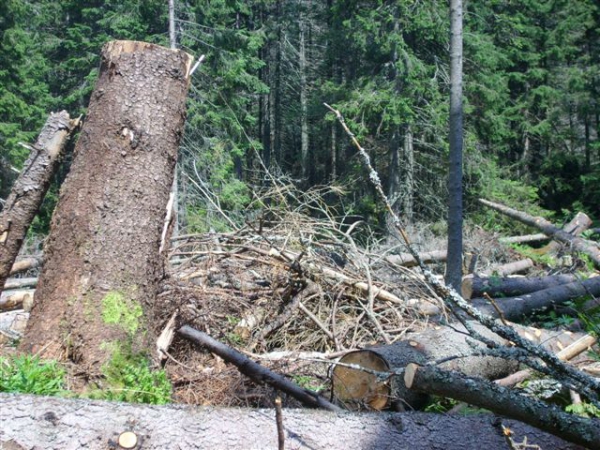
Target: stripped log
30, 188
508, 403
577, 244
11, 300
23, 264
407, 260
380, 387
511, 286
54, 423
524, 239
509, 268
20, 283
515, 308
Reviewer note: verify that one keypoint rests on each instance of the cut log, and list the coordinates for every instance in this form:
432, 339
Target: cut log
515, 308
575, 227
53, 423
102, 267
30, 188
407, 260
359, 389
508, 268
524, 239
506, 402
20, 283
30, 262
11, 300
577, 244
511, 286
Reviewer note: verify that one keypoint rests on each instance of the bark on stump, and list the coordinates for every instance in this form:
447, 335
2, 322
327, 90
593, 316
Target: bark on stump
30, 188
102, 268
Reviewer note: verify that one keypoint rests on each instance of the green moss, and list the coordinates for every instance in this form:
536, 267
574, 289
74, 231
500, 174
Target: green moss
120, 310
128, 378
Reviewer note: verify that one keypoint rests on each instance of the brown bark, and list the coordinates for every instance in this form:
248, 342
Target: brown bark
578, 244
511, 286
30, 188
61, 424
514, 308
255, 371
506, 402
102, 266
359, 389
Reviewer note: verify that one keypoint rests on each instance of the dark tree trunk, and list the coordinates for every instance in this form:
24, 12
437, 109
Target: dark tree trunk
455, 203
30, 188
510, 286
102, 267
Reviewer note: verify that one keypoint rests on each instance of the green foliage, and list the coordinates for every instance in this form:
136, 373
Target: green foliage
534, 255
308, 382
584, 409
30, 375
560, 181
128, 378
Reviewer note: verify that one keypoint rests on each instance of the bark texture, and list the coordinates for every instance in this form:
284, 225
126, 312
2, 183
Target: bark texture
30, 188
514, 308
511, 286
504, 401
102, 265
60, 424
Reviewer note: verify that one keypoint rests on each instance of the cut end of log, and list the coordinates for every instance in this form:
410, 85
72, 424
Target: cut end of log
358, 389
128, 439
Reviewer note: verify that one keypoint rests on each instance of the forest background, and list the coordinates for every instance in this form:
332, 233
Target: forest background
531, 99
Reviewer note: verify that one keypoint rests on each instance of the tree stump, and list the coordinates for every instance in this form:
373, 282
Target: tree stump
102, 269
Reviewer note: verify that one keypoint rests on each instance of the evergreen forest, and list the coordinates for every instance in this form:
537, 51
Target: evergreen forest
531, 98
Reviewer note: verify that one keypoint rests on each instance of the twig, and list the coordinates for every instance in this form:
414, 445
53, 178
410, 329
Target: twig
279, 420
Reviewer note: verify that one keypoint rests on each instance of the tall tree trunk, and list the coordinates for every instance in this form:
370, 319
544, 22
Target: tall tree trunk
97, 289
409, 175
455, 205
304, 143
30, 188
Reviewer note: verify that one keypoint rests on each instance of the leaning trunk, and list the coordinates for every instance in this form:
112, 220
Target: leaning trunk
102, 269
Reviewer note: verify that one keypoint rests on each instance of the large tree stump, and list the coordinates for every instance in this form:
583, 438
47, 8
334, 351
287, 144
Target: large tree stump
30, 188
102, 268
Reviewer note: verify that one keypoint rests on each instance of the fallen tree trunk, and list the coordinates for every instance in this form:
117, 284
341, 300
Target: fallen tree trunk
24, 264
515, 308
20, 283
359, 389
511, 286
102, 266
407, 260
30, 188
255, 371
508, 268
578, 244
11, 300
506, 402
524, 239
54, 423
575, 227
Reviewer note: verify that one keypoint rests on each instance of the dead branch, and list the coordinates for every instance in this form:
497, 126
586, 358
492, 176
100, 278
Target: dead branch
256, 372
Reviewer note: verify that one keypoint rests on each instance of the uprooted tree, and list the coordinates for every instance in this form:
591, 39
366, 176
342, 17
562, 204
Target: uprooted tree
102, 269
